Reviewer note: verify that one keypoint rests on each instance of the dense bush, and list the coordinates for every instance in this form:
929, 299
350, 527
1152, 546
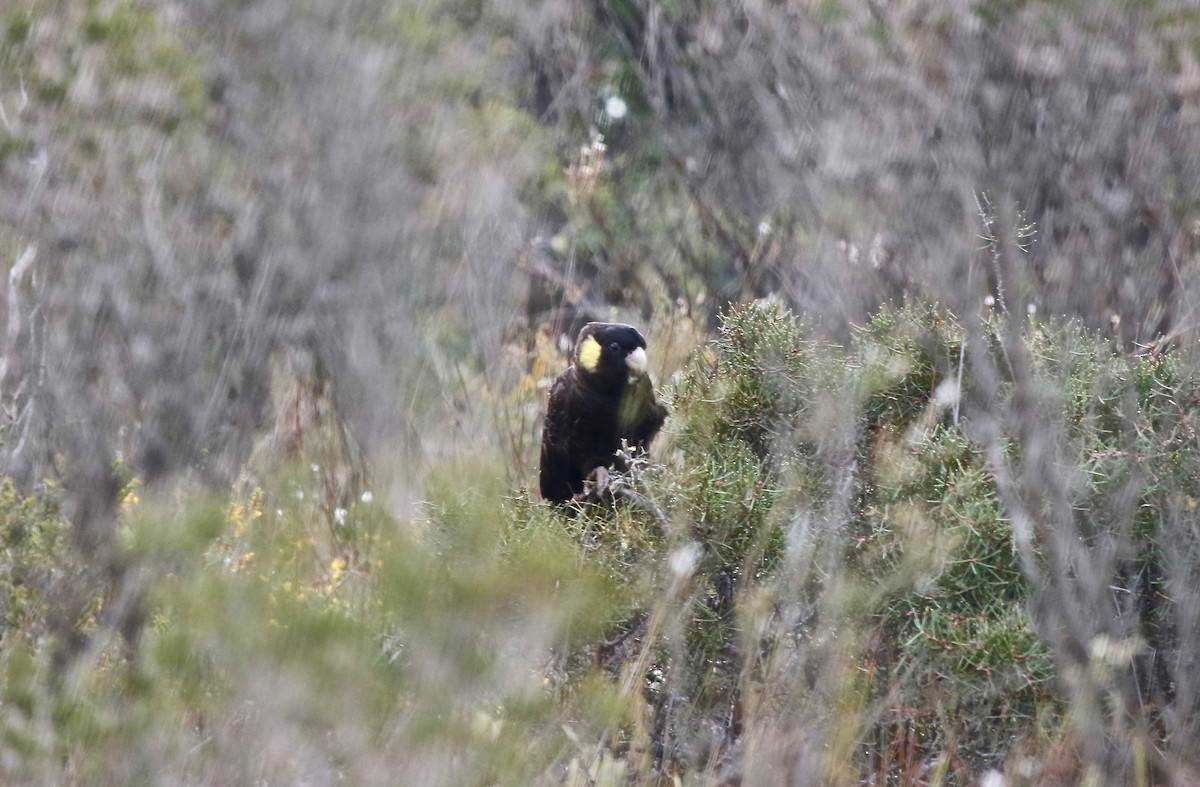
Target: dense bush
285, 285
809, 489
818, 570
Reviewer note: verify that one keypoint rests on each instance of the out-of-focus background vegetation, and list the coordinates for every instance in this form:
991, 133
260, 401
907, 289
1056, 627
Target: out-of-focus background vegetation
287, 282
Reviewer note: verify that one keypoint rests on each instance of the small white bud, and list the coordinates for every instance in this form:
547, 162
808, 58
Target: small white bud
683, 560
947, 393
992, 779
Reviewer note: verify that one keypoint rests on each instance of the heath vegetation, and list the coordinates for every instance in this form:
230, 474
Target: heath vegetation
287, 284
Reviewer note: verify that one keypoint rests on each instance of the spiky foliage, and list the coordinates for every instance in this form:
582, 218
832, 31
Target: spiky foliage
818, 572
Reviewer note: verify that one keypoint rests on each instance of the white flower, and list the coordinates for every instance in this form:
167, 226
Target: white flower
992, 779
683, 560
947, 393
615, 107
339, 516
367, 497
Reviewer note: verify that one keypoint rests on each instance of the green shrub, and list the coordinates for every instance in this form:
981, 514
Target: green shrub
815, 570
33, 538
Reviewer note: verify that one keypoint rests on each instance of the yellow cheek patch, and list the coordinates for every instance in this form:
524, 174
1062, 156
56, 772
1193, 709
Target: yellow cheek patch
589, 354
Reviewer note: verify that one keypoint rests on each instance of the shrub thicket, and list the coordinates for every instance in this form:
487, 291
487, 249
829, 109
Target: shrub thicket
813, 491
274, 246
818, 570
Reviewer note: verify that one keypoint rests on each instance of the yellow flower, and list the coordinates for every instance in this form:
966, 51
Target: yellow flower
129, 503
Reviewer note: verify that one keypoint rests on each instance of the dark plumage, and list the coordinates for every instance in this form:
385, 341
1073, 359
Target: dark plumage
604, 396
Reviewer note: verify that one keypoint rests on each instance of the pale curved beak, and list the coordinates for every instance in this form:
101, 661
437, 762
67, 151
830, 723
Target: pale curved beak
636, 361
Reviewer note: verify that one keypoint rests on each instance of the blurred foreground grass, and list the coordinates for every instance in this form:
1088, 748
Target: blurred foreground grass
816, 580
